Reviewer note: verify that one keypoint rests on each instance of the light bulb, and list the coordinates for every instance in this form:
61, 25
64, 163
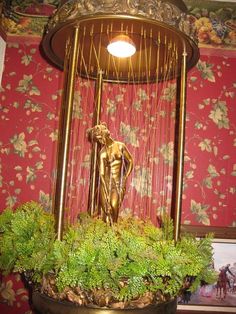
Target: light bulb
121, 46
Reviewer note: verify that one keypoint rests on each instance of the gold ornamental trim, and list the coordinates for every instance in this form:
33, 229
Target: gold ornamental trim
170, 12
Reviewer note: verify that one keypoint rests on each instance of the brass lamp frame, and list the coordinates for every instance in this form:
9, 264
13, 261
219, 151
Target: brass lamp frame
68, 33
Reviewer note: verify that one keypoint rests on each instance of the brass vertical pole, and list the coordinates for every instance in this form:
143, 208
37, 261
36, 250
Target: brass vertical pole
94, 173
64, 132
98, 97
178, 184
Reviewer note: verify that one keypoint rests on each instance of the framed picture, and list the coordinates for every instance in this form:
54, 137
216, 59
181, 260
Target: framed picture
220, 296
218, 232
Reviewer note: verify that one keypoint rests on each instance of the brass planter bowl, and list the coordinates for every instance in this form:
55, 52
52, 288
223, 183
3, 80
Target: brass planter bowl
46, 305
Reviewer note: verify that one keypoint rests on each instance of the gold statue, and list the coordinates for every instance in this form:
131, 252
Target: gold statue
114, 165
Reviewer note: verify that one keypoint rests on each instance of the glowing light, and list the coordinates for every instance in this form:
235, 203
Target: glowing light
121, 46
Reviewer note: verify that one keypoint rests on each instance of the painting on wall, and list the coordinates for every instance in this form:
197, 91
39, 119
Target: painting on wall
221, 295
26, 18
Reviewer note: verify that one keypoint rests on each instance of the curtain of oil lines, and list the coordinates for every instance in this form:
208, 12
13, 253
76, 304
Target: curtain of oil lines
141, 115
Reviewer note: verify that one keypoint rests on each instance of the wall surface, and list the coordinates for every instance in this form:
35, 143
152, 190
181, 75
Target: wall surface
210, 161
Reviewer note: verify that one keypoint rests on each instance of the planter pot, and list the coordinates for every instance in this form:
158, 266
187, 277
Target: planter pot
46, 305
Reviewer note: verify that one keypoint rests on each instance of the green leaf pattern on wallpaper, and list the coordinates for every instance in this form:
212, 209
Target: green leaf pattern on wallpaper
206, 71
26, 59
169, 92
113, 104
219, 114
205, 145
45, 200
129, 134
32, 107
167, 151
77, 108
19, 144
142, 181
200, 210
26, 86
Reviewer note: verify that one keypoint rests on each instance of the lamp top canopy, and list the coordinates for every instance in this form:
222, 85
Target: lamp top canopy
159, 29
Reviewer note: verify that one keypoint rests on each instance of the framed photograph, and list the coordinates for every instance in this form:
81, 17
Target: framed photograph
218, 232
220, 296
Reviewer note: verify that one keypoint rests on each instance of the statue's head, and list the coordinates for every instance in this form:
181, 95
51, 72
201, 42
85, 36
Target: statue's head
99, 133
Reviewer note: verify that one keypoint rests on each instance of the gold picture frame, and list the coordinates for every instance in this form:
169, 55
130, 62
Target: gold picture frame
211, 300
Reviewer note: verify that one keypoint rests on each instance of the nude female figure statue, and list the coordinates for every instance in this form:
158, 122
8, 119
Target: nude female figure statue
115, 164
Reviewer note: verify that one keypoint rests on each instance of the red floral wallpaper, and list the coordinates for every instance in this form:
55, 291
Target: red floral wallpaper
29, 106
210, 161
29, 118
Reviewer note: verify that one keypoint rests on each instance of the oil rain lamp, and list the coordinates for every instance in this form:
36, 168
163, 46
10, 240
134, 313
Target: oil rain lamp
83, 39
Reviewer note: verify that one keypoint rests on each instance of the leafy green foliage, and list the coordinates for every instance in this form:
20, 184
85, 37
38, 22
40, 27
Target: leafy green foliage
26, 237
125, 261
198, 254
130, 258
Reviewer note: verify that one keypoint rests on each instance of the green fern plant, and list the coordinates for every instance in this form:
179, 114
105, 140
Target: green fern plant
128, 263
26, 236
